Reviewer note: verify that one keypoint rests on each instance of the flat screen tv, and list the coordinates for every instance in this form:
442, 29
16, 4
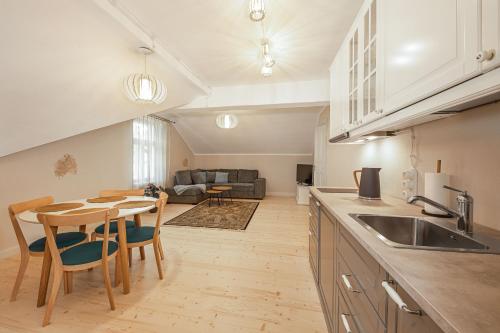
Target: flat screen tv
305, 174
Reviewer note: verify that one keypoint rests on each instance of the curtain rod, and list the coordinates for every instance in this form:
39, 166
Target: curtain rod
160, 118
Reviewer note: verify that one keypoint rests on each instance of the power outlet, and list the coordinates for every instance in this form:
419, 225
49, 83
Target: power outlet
409, 183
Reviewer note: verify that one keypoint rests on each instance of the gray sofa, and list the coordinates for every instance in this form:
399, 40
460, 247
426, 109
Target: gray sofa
245, 184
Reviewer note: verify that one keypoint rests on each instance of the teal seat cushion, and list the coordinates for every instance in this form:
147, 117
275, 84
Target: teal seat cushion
141, 234
64, 239
113, 227
86, 252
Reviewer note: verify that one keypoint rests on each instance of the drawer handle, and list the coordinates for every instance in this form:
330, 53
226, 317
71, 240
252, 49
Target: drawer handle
393, 294
348, 284
345, 322
317, 203
310, 215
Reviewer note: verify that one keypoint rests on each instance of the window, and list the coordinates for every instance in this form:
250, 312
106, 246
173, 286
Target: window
150, 151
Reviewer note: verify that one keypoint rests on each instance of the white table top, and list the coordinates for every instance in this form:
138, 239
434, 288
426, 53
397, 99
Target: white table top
30, 217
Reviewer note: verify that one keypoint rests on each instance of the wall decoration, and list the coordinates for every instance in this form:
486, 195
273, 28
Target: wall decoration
67, 164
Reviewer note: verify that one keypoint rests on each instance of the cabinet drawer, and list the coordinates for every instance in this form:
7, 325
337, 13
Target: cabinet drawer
313, 254
366, 316
365, 270
345, 319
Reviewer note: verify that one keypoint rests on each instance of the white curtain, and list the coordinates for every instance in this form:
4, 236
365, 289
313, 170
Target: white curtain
150, 151
320, 147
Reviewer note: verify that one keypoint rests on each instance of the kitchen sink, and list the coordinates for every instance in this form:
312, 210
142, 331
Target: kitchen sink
417, 233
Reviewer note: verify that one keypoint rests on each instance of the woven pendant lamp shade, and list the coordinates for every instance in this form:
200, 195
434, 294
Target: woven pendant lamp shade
145, 88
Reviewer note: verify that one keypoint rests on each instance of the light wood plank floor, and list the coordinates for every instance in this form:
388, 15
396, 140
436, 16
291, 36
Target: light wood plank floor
258, 280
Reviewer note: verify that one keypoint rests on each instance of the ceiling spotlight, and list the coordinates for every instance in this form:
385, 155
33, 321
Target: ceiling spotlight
257, 10
266, 71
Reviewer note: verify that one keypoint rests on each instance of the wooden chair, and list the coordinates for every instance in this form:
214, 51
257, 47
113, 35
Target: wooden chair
113, 227
37, 248
142, 236
80, 257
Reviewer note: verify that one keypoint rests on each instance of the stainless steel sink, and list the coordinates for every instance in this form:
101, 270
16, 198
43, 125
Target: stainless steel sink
416, 233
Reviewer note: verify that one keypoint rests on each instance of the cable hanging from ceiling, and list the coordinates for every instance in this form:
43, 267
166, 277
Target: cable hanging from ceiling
257, 13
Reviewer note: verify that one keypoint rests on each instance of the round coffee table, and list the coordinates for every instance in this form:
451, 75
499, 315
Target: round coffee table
224, 189
214, 194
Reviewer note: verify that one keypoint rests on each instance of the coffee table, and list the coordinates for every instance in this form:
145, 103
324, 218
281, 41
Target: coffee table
214, 194
224, 189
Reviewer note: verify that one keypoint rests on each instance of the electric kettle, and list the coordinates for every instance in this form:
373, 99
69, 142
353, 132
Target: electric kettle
369, 183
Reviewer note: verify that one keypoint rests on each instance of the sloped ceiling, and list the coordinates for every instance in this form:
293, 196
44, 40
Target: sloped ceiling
275, 131
217, 39
62, 65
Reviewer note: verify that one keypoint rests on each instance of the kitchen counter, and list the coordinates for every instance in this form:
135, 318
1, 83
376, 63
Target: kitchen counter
459, 291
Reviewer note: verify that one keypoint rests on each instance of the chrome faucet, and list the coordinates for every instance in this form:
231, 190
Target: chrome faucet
465, 204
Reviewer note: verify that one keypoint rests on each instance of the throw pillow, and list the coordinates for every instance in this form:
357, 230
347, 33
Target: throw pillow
199, 177
210, 176
247, 176
183, 177
221, 177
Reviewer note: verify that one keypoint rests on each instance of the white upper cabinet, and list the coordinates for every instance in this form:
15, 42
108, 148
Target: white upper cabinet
489, 56
428, 46
339, 87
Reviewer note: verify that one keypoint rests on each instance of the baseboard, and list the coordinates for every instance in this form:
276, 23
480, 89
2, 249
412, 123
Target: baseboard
281, 194
9, 252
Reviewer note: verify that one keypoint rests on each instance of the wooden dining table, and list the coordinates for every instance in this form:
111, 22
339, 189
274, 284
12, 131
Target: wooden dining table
31, 217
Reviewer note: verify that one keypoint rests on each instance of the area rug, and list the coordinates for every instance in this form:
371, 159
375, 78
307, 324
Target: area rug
232, 215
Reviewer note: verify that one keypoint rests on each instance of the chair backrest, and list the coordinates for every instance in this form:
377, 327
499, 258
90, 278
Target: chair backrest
23, 206
160, 205
51, 221
131, 192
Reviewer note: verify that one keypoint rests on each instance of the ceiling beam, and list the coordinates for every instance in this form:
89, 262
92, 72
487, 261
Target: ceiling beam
118, 11
277, 95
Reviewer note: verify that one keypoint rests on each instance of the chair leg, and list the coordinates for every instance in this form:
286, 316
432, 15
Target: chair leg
68, 282
129, 257
143, 253
56, 283
93, 238
160, 247
118, 271
25, 258
158, 260
107, 282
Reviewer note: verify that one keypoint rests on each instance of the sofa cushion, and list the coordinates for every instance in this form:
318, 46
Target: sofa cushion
221, 177
199, 177
183, 177
232, 174
210, 176
247, 176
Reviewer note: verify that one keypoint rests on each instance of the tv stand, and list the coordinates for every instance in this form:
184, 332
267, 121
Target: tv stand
302, 196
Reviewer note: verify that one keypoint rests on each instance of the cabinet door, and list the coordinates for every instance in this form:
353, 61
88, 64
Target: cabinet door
428, 46
339, 78
354, 88
400, 321
327, 264
370, 105
490, 28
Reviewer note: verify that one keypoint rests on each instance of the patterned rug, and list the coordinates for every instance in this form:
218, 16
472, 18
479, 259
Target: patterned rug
235, 215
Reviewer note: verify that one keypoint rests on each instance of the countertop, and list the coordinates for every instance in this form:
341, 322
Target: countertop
459, 291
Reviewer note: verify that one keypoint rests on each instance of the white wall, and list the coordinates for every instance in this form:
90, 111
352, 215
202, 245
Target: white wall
468, 145
279, 170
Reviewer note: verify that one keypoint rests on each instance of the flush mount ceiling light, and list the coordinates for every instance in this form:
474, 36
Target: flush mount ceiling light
226, 121
144, 87
257, 10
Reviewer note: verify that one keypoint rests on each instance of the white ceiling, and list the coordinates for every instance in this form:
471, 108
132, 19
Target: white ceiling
220, 43
275, 131
62, 65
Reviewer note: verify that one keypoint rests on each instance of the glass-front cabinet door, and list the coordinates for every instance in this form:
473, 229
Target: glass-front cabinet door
354, 118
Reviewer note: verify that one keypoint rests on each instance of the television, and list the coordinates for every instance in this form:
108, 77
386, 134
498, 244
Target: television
305, 174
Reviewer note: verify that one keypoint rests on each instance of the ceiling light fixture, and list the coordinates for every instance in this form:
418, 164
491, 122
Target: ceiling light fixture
266, 55
257, 10
226, 121
266, 71
144, 87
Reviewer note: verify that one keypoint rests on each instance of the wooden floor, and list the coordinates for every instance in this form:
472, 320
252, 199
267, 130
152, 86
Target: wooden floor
258, 280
